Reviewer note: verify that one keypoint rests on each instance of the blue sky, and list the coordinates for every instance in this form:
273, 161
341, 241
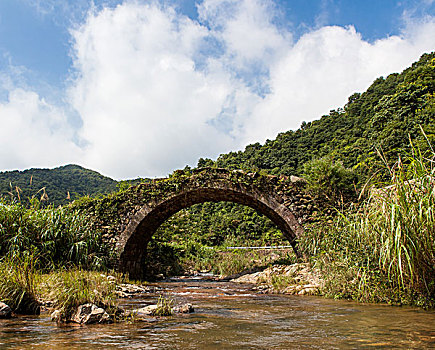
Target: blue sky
167, 82
37, 37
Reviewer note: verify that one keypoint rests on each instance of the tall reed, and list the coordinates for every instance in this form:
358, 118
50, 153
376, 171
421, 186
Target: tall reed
384, 250
404, 221
18, 285
59, 236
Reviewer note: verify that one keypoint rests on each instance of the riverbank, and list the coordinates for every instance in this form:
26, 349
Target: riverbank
79, 296
295, 279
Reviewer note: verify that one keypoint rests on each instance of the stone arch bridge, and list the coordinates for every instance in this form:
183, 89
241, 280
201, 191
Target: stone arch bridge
129, 218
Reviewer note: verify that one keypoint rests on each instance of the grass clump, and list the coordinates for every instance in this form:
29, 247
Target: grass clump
164, 307
232, 263
72, 288
280, 282
18, 285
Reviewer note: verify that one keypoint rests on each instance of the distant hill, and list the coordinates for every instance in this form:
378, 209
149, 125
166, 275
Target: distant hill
56, 186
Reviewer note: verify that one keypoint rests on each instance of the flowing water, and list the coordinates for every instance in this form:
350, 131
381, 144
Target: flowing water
231, 316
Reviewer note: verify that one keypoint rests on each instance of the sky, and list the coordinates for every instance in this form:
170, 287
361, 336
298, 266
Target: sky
143, 87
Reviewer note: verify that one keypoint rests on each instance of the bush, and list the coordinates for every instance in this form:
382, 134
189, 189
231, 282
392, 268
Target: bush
58, 236
330, 180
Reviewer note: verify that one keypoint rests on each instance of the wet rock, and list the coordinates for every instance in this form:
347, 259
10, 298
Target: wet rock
90, 313
129, 290
147, 310
5, 310
298, 279
183, 309
248, 278
56, 316
143, 314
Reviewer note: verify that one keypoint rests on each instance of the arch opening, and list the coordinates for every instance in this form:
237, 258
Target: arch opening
133, 241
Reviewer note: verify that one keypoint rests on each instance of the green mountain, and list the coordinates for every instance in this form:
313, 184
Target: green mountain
54, 186
384, 117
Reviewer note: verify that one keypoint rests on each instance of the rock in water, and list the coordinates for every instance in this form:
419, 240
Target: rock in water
90, 313
183, 309
144, 312
127, 290
55, 316
5, 311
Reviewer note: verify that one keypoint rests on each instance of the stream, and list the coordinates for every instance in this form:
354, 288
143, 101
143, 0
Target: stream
232, 316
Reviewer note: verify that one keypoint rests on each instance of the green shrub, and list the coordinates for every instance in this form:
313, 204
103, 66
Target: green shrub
58, 236
330, 180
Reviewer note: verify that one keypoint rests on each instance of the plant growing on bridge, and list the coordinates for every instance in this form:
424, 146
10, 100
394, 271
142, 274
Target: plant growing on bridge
330, 180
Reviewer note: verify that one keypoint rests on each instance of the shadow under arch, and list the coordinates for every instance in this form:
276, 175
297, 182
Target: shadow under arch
131, 246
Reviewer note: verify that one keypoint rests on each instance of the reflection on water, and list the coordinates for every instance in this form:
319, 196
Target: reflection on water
231, 316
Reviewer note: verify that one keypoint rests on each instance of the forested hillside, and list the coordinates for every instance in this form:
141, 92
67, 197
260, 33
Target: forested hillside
384, 117
54, 186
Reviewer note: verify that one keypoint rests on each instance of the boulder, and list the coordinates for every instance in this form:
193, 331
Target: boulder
5, 311
127, 290
145, 311
299, 278
183, 309
142, 314
90, 313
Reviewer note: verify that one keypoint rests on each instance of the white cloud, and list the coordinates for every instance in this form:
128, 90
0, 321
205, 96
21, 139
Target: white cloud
145, 108
245, 28
34, 132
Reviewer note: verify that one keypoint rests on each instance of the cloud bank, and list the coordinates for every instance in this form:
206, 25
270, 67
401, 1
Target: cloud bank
156, 90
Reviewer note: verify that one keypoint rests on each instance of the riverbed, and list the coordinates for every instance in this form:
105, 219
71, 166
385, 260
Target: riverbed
233, 316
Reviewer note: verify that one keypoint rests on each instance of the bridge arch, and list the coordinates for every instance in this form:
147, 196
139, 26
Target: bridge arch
259, 195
